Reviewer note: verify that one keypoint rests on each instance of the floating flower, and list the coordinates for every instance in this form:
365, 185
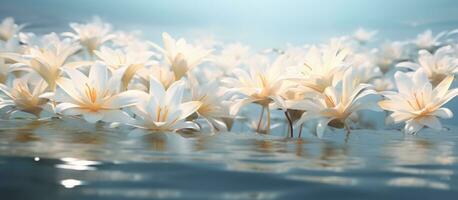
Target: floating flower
161, 73
8, 29
427, 41
10, 46
322, 66
130, 58
95, 97
91, 35
180, 55
336, 106
212, 102
261, 85
389, 54
126, 39
164, 110
48, 60
382, 84
23, 95
231, 56
437, 66
363, 36
417, 103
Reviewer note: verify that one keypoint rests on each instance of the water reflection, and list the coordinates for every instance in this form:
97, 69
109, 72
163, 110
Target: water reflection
99, 162
133, 193
71, 183
76, 164
249, 195
414, 151
335, 180
417, 182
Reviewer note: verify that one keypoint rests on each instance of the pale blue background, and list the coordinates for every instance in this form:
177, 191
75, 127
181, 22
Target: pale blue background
261, 23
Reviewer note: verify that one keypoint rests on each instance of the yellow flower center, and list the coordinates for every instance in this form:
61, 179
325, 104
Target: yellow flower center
417, 102
91, 93
162, 113
95, 98
25, 100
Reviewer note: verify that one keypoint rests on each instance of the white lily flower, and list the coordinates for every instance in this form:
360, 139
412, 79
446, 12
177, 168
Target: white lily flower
116, 58
231, 56
382, 84
95, 97
164, 110
180, 55
161, 73
47, 60
437, 66
126, 39
336, 106
393, 50
261, 85
130, 58
417, 103
322, 66
363, 36
10, 46
427, 41
364, 67
8, 29
22, 95
91, 35
212, 101
389, 54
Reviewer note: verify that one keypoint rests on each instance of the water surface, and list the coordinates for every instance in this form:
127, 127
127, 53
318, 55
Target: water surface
69, 159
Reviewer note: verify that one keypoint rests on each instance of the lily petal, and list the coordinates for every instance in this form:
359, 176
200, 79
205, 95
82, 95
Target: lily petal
188, 108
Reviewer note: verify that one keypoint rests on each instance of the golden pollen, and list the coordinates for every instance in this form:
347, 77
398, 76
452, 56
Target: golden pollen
91, 93
162, 113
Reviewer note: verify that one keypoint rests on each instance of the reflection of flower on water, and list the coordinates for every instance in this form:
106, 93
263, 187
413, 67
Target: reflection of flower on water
407, 154
411, 151
280, 156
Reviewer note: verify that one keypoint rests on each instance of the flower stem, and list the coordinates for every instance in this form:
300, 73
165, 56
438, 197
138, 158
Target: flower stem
347, 133
260, 119
268, 119
290, 124
300, 131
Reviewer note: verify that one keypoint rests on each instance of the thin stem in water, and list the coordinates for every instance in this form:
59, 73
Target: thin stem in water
260, 119
290, 124
300, 130
268, 119
347, 133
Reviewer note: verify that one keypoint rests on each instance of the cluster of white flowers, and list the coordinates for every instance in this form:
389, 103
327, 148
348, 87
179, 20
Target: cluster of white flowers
101, 75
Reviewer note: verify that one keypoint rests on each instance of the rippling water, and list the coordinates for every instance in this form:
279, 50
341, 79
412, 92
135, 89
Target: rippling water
69, 159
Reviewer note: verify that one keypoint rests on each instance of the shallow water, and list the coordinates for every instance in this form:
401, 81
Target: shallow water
73, 160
